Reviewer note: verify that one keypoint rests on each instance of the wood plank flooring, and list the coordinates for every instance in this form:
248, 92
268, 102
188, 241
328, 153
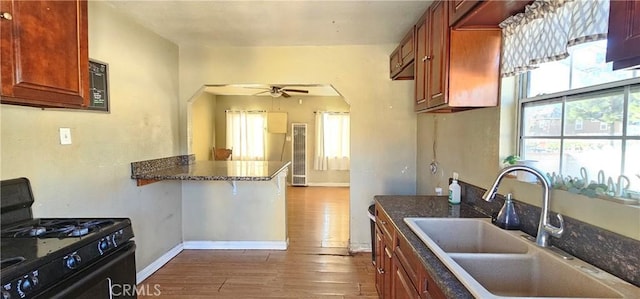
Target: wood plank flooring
316, 264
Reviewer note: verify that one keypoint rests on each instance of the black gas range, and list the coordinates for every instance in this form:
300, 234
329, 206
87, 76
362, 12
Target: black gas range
62, 257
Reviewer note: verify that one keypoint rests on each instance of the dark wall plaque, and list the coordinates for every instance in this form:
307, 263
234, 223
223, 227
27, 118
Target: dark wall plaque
98, 86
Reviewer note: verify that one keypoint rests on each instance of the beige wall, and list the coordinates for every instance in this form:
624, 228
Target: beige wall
91, 177
296, 113
383, 125
473, 143
255, 215
203, 121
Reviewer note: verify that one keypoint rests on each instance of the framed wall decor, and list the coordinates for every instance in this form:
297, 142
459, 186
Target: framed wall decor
98, 86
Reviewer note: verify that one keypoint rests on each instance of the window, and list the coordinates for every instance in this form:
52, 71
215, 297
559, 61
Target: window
578, 113
332, 141
579, 124
246, 134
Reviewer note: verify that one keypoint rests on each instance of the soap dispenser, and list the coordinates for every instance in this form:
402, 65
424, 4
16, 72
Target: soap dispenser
507, 217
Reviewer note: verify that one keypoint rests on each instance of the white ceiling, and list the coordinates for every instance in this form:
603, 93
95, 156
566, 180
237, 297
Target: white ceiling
316, 90
276, 23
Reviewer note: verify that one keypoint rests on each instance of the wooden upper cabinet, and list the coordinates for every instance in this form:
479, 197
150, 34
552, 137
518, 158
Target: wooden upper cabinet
421, 62
401, 60
455, 69
483, 13
44, 48
438, 54
623, 39
459, 8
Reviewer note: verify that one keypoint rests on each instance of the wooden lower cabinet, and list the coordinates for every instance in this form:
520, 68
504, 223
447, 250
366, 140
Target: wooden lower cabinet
383, 265
399, 272
427, 286
402, 286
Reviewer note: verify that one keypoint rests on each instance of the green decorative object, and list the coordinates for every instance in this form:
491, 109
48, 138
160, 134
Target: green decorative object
511, 160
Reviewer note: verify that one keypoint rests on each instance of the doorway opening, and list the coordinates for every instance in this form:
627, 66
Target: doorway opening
326, 189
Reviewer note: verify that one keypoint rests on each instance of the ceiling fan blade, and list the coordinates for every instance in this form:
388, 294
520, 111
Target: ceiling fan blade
295, 90
259, 93
285, 94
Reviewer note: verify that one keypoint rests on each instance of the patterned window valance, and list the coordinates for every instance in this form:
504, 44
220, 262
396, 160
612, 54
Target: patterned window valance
547, 28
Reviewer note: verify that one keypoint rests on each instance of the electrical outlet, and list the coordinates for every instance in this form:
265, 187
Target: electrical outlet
65, 136
288, 138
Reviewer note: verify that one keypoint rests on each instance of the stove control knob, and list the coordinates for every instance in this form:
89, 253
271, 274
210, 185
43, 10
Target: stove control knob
103, 245
117, 237
6, 295
72, 261
28, 284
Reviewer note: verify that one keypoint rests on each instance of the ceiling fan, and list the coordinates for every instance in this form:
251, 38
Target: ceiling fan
277, 91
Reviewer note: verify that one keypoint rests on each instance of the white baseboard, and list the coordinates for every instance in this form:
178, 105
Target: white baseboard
158, 263
362, 247
328, 184
273, 245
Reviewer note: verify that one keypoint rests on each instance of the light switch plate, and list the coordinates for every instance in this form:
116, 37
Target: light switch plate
65, 136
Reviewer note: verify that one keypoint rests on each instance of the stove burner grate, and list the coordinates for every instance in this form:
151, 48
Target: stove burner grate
56, 228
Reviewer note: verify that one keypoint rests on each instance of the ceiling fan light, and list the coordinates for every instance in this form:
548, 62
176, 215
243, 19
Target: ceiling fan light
275, 94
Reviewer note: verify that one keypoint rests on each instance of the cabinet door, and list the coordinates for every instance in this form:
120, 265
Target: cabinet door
388, 264
428, 288
379, 262
458, 8
45, 59
407, 48
402, 286
422, 36
439, 49
395, 62
623, 42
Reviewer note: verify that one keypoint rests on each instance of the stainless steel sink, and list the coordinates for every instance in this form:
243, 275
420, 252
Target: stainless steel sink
496, 263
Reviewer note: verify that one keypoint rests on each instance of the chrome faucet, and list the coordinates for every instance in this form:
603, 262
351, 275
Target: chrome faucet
544, 228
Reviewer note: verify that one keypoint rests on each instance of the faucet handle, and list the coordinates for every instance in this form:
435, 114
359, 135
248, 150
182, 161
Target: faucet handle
555, 231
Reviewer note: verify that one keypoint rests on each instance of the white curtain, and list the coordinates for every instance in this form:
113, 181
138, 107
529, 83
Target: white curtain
547, 28
332, 141
246, 134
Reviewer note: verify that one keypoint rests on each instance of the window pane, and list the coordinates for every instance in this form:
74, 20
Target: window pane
584, 67
633, 124
632, 164
594, 155
595, 115
590, 68
550, 77
545, 151
542, 119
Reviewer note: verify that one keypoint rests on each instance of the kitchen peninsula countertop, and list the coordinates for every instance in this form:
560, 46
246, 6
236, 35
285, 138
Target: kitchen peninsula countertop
187, 169
399, 207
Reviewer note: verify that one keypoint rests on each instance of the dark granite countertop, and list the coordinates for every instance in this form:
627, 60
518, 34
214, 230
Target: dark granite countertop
400, 207
216, 171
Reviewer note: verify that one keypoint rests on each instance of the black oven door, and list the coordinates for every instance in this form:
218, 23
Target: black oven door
113, 277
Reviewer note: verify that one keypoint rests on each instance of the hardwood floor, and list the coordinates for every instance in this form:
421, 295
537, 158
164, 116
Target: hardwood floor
316, 264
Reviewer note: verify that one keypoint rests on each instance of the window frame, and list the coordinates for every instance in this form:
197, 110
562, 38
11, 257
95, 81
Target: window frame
627, 85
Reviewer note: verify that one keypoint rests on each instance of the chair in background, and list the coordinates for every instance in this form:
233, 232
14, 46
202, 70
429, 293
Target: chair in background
221, 154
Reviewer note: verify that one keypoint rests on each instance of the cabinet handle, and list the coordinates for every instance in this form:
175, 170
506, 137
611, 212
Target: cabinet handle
383, 222
380, 271
6, 15
426, 58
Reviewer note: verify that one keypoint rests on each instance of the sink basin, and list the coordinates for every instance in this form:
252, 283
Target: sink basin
503, 275
471, 235
495, 263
